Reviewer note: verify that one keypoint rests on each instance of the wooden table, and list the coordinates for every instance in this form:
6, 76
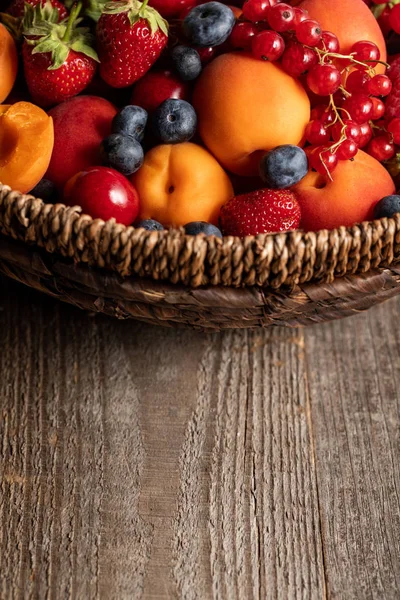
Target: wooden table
138, 462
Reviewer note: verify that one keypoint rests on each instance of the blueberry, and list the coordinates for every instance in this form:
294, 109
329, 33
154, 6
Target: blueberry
46, 190
283, 167
131, 120
174, 121
186, 62
150, 225
197, 227
387, 207
122, 153
208, 24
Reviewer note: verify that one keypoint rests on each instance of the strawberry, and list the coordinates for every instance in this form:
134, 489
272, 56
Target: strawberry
130, 38
16, 8
263, 211
59, 60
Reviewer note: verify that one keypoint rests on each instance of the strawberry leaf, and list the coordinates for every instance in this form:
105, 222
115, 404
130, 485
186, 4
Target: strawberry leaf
136, 11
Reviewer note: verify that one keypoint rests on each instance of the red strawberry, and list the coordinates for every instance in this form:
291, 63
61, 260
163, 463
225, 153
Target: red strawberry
130, 38
16, 8
263, 211
59, 61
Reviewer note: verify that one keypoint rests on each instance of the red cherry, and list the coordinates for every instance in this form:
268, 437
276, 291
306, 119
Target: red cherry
281, 17
360, 107
349, 128
378, 110
268, 45
380, 85
323, 160
365, 134
347, 150
329, 42
394, 129
316, 133
103, 193
242, 35
309, 32
366, 52
157, 86
324, 80
256, 10
297, 59
381, 148
356, 81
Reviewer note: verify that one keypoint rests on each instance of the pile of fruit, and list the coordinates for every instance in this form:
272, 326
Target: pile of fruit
222, 119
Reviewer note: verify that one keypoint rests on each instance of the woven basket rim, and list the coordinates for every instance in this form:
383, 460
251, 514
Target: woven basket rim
268, 260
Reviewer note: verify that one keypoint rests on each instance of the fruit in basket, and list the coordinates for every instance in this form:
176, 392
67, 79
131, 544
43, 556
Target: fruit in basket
174, 121
46, 190
350, 20
209, 24
263, 211
201, 227
59, 58
157, 86
17, 7
186, 62
8, 63
130, 38
181, 183
122, 152
246, 107
26, 144
150, 225
387, 207
283, 167
104, 194
80, 125
130, 120
348, 198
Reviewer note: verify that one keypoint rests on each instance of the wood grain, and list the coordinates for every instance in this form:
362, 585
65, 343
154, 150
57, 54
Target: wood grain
137, 462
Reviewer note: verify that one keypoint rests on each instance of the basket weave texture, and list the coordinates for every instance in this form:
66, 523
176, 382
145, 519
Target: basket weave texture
155, 275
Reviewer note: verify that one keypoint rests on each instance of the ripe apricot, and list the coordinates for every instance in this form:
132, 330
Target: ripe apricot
8, 63
351, 20
26, 144
246, 107
181, 183
350, 198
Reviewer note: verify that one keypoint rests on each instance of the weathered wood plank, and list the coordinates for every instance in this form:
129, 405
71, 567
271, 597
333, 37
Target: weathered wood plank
354, 378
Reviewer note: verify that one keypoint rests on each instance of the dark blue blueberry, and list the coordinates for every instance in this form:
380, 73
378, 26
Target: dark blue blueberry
283, 167
122, 153
387, 207
186, 62
150, 225
208, 24
197, 227
131, 120
45, 190
174, 121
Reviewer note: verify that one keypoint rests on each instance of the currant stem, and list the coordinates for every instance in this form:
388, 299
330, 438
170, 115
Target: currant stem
76, 9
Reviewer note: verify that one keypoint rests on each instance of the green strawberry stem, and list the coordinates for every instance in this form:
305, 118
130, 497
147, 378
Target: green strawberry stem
76, 9
144, 4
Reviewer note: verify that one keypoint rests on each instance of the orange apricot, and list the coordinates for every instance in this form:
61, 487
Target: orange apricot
181, 183
26, 144
8, 63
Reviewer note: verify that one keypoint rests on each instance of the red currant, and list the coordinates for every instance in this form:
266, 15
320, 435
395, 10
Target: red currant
323, 160
297, 59
366, 134
299, 15
394, 18
366, 52
256, 10
324, 80
281, 17
378, 110
350, 129
242, 34
394, 129
381, 148
384, 21
329, 42
360, 107
309, 32
316, 133
347, 149
356, 81
380, 85
267, 45
323, 113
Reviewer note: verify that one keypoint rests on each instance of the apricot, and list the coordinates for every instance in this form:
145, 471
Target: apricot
181, 183
351, 20
8, 63
350, 198
246, 107
26, 144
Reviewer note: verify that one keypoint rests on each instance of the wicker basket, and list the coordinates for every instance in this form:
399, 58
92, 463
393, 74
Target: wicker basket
169, 278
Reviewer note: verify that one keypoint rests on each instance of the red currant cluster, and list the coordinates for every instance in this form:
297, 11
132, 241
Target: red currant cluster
276, 31
387, 13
